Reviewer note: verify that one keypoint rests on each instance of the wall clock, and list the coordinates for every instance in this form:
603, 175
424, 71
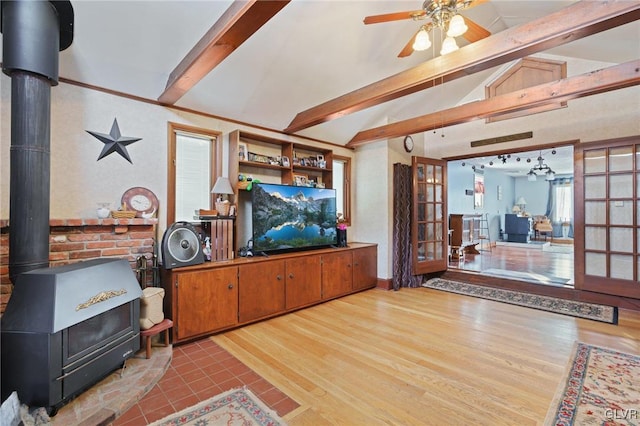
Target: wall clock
140, 199
408, 143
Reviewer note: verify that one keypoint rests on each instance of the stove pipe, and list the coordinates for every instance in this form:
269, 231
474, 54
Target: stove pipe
33, 34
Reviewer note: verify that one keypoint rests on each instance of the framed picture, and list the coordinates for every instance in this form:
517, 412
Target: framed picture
300, 179
284, 161
232, 210
243, 152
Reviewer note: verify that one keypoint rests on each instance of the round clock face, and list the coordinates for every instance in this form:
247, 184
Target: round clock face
408, 143
141, 200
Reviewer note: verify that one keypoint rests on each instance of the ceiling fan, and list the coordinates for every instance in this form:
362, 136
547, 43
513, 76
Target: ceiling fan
443, 14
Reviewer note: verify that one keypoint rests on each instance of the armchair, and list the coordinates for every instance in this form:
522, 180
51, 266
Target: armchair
542, 226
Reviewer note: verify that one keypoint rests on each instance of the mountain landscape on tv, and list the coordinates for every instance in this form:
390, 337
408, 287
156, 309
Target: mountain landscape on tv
289, 217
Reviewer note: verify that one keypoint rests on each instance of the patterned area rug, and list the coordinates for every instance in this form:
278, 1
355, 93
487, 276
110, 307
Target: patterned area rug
608, 314
601, 387
234, 407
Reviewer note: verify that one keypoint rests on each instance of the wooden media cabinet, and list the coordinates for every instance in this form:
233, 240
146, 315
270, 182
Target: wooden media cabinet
214, 296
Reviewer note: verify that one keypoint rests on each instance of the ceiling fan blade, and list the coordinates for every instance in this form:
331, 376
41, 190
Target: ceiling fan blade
408, 48
474, 32
397, 16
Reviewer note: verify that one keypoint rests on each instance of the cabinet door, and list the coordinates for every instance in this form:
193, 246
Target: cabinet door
262, 287
206, 301
337, 274
365, 268
303, 282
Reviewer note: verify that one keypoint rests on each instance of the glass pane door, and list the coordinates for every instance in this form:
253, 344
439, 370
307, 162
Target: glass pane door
609, 262
429, 212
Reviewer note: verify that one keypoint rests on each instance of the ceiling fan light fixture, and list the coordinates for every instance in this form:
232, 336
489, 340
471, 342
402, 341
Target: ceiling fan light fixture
531, 176
457, 26
422, 41
449, 45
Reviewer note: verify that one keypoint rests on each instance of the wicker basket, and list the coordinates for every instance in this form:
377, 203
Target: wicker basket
223, 208
123, 214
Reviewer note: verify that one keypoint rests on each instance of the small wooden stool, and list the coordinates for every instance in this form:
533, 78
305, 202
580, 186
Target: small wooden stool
165, 325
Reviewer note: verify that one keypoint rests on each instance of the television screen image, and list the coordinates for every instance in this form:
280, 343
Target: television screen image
288, 218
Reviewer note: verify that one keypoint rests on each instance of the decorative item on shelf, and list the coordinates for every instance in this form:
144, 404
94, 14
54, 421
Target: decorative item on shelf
284, 161
341, 230
104, 210
123, 213
141, 200
243, 152
222, 187
300, 179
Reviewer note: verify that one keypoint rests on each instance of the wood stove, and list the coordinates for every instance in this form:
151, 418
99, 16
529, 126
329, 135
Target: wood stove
65, 328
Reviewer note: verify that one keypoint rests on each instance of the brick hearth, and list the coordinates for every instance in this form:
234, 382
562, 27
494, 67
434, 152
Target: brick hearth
75, 240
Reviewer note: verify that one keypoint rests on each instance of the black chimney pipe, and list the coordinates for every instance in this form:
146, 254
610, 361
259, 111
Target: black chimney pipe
33, 34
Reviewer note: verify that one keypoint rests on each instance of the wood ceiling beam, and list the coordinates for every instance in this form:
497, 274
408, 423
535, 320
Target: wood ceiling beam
579, 20
600, 81
235, 26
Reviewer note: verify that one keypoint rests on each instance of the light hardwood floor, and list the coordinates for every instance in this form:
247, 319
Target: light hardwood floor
420, 357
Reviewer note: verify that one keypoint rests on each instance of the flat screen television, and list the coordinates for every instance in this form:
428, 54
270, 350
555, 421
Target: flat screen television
288, 218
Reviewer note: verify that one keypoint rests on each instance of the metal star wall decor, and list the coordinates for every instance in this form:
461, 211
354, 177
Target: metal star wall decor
114, 142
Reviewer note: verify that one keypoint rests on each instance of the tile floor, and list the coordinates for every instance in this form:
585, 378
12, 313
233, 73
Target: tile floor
198, 371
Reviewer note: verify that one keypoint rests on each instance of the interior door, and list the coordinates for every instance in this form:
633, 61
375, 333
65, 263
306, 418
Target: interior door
428, 225
607, 232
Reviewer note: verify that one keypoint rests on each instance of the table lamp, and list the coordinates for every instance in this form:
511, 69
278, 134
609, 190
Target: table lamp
222, 187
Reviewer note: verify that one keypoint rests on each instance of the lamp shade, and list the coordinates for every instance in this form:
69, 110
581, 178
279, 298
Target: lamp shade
222, 186
448, 45
521, 202
422, 41
457, 27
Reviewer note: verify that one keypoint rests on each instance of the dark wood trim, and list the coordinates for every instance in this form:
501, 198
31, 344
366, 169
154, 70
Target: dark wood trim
346, 188
385, 284
239, 22
545, 290
580, 19
215, 162
592, 83
538, 147
193, 111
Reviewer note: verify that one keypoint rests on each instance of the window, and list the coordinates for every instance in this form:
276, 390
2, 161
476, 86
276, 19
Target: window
342, 184
563, 209
194, 164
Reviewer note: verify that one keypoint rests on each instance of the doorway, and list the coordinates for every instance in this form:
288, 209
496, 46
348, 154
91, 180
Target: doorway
533, 187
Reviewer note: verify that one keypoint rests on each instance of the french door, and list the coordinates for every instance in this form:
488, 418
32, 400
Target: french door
428, 225
607, 232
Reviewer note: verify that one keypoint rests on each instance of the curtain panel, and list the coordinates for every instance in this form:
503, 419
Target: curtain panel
402, 213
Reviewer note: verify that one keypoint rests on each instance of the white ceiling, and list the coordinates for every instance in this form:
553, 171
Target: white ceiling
310, 52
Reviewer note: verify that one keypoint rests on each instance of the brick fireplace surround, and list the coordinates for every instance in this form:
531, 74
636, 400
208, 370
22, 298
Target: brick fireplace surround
74, 240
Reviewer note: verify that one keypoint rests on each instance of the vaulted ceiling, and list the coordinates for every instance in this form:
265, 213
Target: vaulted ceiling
313, 68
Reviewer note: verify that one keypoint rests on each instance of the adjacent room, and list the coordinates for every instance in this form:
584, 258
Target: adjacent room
519, 206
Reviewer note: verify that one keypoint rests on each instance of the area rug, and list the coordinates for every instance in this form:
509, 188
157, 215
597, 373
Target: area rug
234, 407
527, 276
592, 311
600, 387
